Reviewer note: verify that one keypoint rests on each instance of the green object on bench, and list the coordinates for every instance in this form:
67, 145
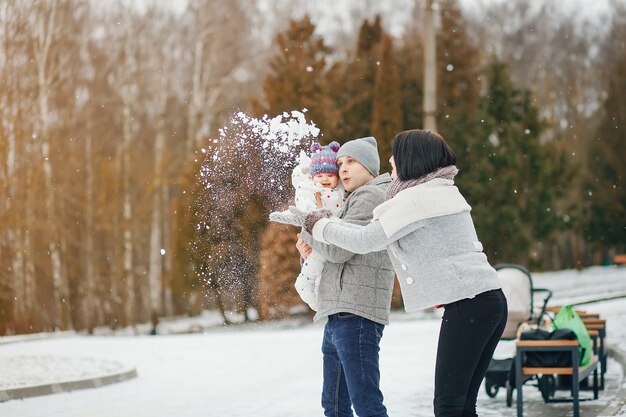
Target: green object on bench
567, 318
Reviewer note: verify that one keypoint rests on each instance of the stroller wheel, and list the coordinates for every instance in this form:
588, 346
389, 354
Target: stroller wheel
547, 386
491, 388
509, 394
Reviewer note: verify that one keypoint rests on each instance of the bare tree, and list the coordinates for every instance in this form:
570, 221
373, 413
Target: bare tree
222, 65
18, 209
101, 109
124, 82
161, 69
47, 32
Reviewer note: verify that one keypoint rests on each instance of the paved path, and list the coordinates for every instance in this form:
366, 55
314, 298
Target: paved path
27, 376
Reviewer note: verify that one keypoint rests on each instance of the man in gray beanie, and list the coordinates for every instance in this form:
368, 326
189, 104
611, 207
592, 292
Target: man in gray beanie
358, 162
354, 292
365, 151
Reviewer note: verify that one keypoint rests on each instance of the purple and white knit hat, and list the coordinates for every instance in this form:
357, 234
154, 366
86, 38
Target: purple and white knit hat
324, 159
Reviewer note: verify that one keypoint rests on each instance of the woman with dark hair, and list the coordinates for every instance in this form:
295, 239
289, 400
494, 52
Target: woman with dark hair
426, 227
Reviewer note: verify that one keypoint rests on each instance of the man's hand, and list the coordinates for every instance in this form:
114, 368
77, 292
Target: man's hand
318, 199
304, 249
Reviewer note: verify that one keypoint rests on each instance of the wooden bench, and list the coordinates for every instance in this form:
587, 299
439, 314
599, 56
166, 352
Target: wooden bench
620, 259
578, 373
593, 322
597, 328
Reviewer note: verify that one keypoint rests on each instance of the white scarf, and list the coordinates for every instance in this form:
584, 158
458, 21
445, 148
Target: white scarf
435, 198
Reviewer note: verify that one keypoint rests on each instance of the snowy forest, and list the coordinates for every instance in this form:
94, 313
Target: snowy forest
109, 109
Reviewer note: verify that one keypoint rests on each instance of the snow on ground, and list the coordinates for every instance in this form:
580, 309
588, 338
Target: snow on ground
571, 286
267, 369
269, 372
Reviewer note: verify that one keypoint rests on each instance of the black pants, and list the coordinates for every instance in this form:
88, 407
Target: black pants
470, 331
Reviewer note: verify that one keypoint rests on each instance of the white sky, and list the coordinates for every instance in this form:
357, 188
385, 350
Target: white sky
338, 20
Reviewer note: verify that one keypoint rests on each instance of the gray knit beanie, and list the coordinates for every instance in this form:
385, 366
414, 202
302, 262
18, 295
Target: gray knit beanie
364, 150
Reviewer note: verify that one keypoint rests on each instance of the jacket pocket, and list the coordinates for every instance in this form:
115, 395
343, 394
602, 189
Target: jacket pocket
340, 280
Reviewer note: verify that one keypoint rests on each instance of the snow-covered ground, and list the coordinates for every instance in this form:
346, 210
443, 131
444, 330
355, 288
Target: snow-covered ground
265, 369
571, 286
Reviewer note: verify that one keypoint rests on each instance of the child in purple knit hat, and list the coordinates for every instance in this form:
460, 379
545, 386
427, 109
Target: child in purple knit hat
316, 180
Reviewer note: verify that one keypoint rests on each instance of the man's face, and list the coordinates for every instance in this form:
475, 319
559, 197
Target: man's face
352, 173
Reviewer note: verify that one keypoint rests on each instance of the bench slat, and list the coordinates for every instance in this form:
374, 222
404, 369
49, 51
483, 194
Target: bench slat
536, 343
561, 370
585, 316
594, 321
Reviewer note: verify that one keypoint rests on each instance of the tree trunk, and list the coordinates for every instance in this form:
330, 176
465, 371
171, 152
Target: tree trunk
195, 102
168, 297
156, 229
24, 258
13, 232
92, 306
430, 68
43, 40
127, 214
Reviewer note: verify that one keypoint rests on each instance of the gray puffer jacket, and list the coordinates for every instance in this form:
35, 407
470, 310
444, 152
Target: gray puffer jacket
352, 283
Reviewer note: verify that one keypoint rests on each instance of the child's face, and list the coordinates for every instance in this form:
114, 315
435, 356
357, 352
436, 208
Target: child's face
326, 180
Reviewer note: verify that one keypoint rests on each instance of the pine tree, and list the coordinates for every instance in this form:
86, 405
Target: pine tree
606, 182
369, 36
279, 268
458, 76
297, 78
514, 180
411, 70
496, 140
387, 108
352, 85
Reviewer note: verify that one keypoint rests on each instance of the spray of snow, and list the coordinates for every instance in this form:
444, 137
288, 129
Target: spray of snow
244, 176
258, 151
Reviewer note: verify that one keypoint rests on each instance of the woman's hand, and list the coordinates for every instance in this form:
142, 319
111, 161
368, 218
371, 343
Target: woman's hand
315, 216
304, 249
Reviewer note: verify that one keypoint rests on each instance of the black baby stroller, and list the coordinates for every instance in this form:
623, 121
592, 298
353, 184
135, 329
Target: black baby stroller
517, 285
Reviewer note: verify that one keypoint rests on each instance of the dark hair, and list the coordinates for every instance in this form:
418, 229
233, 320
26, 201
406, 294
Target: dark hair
419, 152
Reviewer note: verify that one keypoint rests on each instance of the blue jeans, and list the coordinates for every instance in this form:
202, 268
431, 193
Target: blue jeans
351, 374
